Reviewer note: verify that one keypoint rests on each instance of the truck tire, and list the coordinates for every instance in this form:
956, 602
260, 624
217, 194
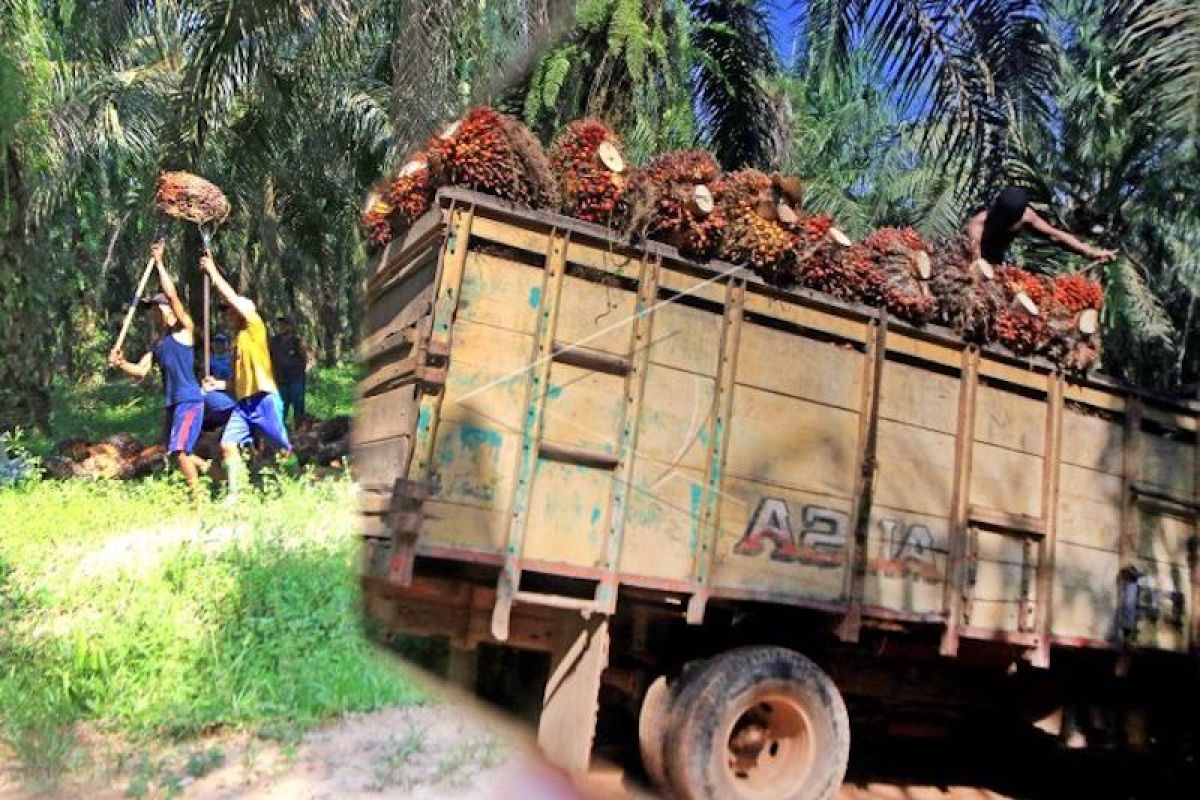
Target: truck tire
757, 723
652, 731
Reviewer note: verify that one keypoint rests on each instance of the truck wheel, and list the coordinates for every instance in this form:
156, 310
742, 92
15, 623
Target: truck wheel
652, 731
758, 723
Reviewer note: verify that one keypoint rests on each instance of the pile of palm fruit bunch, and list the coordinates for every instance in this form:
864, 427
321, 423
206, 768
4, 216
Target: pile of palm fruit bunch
120, 456
679, 199
749, 218
486, 151
589, 163
892, 268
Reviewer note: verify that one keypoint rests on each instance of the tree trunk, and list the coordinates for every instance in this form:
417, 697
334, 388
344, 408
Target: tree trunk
25, 336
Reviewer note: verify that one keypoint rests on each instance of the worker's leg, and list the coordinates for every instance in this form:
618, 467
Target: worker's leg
266, 419
236, 434
186, 421
191, 473
285, 396
298, 402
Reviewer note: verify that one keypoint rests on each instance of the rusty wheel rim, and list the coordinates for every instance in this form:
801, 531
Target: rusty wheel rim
769, 749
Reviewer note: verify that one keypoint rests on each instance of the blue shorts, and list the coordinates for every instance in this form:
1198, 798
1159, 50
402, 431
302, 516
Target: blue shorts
258, 413
218, 406
186, 419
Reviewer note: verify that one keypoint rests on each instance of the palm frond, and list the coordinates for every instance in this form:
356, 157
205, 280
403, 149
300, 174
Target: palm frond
738, 117
1162, 38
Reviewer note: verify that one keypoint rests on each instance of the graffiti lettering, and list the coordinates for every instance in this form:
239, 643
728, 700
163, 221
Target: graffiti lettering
904, 550
821, 541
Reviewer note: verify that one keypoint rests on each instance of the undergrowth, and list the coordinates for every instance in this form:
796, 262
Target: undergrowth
125, 606
98, 409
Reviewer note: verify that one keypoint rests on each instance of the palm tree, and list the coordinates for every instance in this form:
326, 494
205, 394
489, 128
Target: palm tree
665, 74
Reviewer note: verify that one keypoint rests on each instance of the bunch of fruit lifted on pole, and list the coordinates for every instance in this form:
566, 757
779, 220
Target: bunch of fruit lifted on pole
748, 218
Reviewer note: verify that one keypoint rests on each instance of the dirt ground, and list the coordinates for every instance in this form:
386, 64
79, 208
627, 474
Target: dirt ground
414, 753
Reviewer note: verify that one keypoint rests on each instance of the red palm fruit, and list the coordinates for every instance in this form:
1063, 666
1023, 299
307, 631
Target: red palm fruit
588, 160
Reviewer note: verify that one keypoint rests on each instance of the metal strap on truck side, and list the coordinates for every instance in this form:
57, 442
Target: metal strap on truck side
508, 584
875, 353
631, 414
431, 339
708, 528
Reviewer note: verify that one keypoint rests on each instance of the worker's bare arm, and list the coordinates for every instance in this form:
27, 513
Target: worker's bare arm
168, 288
975, 233
244, 305
136, 370
1034, 222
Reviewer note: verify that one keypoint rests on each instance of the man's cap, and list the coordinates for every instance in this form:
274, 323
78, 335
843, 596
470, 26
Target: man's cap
156, 299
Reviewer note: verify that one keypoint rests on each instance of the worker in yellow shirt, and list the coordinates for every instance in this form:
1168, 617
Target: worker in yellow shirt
258, 410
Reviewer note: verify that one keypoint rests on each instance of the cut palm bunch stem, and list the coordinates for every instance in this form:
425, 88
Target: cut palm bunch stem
189, 197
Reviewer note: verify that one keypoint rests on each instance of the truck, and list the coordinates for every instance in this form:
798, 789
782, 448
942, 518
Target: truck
740, 517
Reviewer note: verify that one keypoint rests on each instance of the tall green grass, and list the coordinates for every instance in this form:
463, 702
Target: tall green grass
99, 409
127, 606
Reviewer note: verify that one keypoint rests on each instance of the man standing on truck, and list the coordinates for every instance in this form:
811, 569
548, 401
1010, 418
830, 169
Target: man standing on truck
257, 409
173, 350
992, 229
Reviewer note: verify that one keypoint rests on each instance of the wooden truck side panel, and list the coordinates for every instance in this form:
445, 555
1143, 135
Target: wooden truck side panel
737, 442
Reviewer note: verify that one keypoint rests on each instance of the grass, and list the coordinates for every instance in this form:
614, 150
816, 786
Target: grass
124, 606
100, 409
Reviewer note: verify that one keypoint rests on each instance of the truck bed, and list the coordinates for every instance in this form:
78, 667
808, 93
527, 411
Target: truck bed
569, 418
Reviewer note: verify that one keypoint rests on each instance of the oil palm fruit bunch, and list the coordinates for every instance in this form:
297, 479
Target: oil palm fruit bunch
754, 233
490, 153
397, 204
1072, 312
894, 265
589, 162
376, 217
820, 261
678, 199
966, 300
1020, 326
186, 196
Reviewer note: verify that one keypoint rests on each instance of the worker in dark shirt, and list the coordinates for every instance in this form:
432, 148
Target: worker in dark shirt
993, 229
173, 351
290, 359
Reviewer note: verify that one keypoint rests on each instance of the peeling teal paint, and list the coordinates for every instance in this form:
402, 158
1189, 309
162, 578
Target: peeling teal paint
471, 437
423, 419
595, 514
535, 297
697, 494
554, 392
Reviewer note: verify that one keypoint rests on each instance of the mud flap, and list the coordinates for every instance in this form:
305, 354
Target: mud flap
567, 725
